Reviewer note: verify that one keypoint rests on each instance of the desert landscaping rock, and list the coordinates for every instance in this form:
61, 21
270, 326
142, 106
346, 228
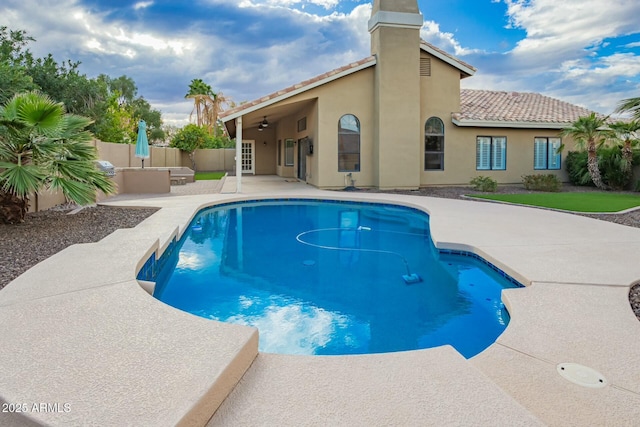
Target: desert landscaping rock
48, 232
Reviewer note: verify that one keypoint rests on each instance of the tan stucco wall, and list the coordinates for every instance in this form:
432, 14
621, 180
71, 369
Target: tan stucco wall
287, 129
440, 92
117, 154
265, 154
460, 155
124, 155
45, 200
212, 160
403, 6
143, 181
350, 95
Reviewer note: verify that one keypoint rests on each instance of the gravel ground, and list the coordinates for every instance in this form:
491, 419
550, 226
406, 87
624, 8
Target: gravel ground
48, 232
45, 233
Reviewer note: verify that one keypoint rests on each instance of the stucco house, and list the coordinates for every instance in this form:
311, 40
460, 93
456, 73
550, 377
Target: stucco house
399, 119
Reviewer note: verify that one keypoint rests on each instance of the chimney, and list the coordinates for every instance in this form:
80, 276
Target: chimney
395, 41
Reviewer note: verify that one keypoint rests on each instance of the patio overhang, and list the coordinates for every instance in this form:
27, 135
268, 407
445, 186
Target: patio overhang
273, 113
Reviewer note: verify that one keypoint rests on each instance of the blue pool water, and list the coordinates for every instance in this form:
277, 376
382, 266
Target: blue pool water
332, 278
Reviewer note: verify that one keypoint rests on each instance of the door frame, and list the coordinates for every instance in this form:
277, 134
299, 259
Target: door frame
251, 145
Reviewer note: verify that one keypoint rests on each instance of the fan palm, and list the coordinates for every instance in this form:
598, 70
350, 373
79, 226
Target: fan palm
42, 147
590, 132
628, 134
631, 105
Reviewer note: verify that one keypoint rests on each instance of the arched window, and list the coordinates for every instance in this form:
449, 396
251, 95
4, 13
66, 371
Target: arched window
434, 144
349, 144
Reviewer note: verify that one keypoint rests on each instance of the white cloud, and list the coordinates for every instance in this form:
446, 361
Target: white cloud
556, 28
563, 53
326, 4
142, 5
431, 33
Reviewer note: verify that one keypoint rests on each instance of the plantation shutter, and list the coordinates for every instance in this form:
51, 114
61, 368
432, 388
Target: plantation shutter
483, 153
540, 153
554, 156
499, 153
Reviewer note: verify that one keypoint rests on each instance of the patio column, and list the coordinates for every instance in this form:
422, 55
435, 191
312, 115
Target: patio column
239, 155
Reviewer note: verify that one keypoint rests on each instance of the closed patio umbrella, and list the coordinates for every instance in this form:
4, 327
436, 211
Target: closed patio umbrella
142, 144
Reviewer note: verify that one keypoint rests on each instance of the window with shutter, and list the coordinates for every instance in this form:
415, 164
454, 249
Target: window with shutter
483, 153
499, 153
545, 153
554, 155
491, 153
540, 153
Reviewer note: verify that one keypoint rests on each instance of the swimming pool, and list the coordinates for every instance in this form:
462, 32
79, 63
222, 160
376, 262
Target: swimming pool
332, 278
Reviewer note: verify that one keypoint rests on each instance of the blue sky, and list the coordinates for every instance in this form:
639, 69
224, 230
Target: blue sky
582, 51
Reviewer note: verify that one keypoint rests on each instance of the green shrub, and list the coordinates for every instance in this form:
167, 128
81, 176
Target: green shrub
484, 183
610, 165
577, 168
542, 182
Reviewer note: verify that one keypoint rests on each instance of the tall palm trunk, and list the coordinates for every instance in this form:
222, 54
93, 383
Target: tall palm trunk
627, 156
592, 166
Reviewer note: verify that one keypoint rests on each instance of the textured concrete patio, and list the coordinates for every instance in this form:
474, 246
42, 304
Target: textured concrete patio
78, 329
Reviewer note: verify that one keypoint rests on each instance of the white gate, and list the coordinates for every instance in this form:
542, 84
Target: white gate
248, 157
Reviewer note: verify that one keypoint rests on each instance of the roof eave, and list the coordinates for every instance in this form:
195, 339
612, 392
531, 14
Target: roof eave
509, 124
464, 68
301, 89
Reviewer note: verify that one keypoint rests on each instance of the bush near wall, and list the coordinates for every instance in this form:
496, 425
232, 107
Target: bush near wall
577, 168
484, 183
542, 182
609, 163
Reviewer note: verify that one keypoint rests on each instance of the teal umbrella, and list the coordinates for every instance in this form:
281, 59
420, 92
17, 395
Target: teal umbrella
142, 144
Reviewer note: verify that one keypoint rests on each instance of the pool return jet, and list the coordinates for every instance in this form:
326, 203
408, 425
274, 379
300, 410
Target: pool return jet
348, 240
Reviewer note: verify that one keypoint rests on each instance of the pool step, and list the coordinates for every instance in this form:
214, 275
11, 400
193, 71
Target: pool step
120, 357
427, 387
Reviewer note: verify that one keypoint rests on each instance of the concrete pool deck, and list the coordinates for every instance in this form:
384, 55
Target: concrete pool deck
81, 336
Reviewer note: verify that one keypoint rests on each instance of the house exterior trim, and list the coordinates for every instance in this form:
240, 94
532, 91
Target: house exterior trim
508, 124
395, 19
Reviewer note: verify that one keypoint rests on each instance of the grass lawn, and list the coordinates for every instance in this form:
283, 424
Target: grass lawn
202, 176
577, 202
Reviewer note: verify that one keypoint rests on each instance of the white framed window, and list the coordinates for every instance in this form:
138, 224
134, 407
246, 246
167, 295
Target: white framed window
491, 153
434, 144
545, 153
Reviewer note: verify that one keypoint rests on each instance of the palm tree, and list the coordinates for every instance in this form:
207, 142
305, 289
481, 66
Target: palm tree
42, 147
628, 134
631, 105
590, 131
207, 105
199, 91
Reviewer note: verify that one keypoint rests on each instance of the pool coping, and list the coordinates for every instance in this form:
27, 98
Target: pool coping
545, 250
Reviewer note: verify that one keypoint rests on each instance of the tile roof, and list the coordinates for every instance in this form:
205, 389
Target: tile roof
514, 107
352, 67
